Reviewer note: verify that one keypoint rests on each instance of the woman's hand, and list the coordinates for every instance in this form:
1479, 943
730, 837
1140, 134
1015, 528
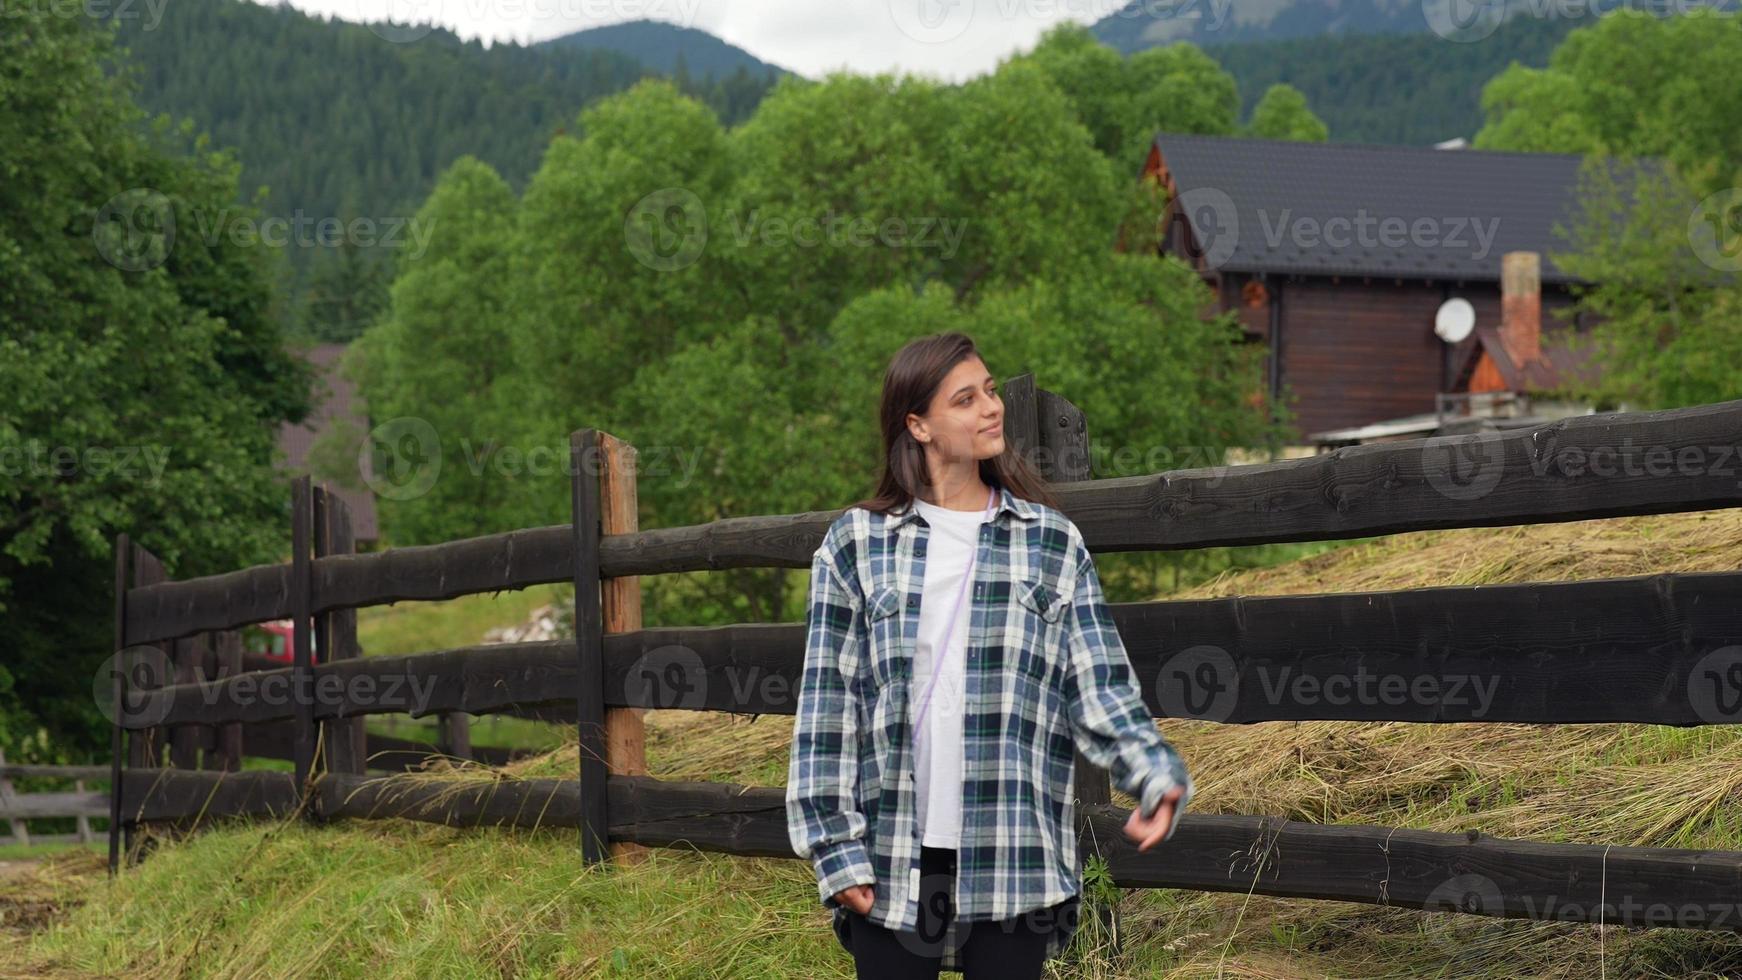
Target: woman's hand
1147, 831
858, 898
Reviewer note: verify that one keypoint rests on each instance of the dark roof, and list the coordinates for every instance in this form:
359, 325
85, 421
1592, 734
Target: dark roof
1563, 364
1273, 186
334, 397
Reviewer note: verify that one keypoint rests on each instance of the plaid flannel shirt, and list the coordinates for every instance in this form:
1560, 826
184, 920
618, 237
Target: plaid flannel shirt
1046, 669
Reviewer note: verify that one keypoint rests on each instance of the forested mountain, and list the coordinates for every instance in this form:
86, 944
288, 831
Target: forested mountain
337, 122
666, 48
1145, 24
1391, 88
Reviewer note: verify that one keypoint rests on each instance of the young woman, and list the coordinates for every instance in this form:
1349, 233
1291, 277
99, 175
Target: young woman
957, 647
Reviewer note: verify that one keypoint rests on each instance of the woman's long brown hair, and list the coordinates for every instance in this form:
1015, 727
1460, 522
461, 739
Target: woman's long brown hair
909, 384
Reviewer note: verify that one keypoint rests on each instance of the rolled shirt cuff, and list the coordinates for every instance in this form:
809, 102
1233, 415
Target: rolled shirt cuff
840, 866
1159, 785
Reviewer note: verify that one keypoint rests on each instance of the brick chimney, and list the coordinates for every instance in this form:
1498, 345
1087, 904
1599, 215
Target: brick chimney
1521, 306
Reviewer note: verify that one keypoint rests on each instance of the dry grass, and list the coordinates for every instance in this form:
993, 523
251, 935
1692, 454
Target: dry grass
1620, 784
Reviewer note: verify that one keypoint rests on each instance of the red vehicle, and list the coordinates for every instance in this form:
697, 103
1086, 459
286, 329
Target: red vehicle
275, 639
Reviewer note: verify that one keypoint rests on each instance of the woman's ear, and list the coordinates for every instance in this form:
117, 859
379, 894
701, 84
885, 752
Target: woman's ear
917, 429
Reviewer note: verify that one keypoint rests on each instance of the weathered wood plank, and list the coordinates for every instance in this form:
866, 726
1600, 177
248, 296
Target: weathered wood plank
1651, 649
174, 794
344, 739
34, 771
585, 450
1607, 465
71, 803
1266, 855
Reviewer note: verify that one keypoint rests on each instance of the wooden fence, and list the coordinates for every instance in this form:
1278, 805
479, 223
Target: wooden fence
79, 803
1663, 649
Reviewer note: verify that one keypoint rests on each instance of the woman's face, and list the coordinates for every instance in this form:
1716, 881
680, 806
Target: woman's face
966, 416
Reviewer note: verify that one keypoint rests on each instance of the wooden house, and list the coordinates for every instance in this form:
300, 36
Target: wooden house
1339, 257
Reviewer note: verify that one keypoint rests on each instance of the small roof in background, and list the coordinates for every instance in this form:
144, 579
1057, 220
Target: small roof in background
334, 397
1561, 365
1271, 185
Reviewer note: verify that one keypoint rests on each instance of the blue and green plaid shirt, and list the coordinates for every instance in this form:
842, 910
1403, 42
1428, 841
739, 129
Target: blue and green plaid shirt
1046, 670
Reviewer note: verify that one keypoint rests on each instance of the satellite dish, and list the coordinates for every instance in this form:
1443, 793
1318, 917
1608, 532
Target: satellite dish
1455, 320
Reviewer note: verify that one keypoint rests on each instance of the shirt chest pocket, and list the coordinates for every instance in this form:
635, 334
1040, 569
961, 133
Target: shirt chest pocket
1038, 628
1041, 599
885, 655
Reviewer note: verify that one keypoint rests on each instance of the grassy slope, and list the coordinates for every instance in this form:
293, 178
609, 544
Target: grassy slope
397, 899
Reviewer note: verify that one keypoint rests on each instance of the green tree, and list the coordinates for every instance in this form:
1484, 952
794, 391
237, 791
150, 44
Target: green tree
1125, 101
347, 291
1282, 114
726, 301
1660, 270
1630, 84
438, 374
609, 258
143, 372
1654, 242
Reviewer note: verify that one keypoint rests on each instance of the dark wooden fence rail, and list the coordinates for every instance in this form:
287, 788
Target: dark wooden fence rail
1664, 649
1541, 475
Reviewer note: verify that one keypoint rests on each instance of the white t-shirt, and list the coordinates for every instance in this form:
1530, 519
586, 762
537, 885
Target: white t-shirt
938, 744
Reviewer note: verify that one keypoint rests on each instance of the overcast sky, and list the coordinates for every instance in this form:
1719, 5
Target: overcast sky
947, 39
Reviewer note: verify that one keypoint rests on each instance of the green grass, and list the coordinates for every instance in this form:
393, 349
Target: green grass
391, 899
395, 899
425, 627
34, 852
493, 730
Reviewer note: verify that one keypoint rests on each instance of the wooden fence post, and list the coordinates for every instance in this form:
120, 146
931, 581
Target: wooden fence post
8, 799
625, 730
144, 746
82, 821
118, 674
344, 738
1053, 434
229, 654
584, 453
184, 740
301, 676
207, 668
454, 734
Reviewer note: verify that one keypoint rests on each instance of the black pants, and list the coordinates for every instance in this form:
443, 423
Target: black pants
1008, 949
